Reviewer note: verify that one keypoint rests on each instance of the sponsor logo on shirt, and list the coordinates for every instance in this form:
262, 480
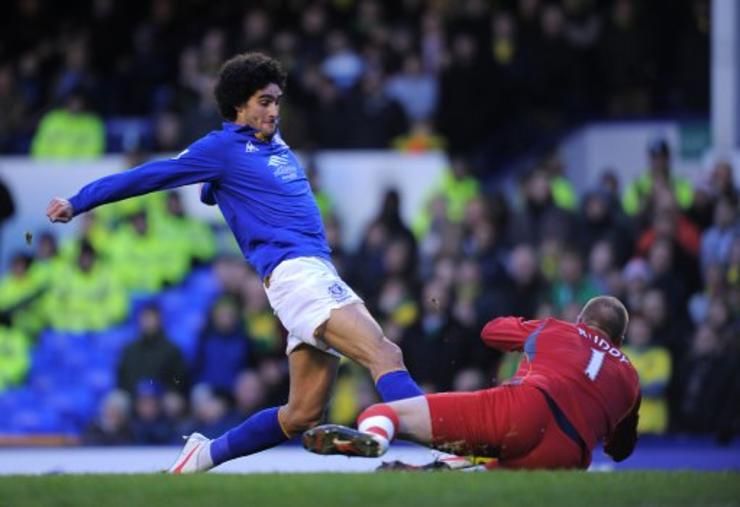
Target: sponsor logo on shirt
339, 292
250, 148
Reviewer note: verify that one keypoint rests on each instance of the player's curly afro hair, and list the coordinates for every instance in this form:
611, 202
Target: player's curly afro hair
241, 76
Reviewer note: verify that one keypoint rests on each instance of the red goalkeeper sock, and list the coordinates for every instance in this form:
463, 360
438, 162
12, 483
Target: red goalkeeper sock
380, 421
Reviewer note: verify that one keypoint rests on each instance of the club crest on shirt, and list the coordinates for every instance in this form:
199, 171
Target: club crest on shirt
339, 292
284, 168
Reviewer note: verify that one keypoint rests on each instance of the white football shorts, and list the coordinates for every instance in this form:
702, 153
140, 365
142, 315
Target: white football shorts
303, 292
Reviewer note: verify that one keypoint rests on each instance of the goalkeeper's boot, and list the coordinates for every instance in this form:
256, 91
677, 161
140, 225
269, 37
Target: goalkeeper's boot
194, 457
434, 466
400, 466
336, 439
455, 462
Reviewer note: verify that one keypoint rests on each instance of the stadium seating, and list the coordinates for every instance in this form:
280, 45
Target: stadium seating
70, 373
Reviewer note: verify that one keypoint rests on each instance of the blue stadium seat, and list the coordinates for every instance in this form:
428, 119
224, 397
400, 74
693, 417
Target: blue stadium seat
44, 382
30, 414
184, 332
113, 340
100, 380
11, 402
70, 373
202, 286
171, 304
76, 406
31, 420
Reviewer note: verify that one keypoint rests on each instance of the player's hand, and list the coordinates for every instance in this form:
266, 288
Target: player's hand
59, 210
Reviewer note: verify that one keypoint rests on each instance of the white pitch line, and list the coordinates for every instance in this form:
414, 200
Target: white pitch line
116, 460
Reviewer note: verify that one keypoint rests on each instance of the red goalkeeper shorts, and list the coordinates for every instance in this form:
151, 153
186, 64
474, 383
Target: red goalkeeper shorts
514, 423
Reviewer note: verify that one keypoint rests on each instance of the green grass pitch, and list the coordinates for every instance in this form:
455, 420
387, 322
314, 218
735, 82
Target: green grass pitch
407, 489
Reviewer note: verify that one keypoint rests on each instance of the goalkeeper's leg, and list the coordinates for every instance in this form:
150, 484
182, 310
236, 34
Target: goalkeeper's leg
377, 426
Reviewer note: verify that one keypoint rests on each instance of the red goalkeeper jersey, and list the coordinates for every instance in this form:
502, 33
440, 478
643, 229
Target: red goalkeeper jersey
589, 378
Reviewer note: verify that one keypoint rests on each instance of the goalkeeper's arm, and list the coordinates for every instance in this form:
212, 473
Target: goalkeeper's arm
620, 444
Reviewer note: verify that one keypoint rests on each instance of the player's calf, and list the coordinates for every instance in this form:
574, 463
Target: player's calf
381, 422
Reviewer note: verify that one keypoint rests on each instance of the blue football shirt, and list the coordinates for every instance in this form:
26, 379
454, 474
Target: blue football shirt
260, 187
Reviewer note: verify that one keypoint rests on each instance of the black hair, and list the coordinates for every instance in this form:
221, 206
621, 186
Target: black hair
242, 76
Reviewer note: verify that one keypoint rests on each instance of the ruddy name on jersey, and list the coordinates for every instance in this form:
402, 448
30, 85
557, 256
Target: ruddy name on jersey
604, 345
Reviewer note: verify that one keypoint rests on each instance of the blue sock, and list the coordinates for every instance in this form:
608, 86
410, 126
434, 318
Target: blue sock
259, 432
397, 385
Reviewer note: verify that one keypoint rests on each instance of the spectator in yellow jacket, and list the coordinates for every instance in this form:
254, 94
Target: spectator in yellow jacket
69, 132
457, 188
653, 363
15, 357
638, 194
20, 291
85, 297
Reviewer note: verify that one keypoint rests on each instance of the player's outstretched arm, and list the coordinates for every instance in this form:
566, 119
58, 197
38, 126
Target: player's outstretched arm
59, 210
508, 333
203, 161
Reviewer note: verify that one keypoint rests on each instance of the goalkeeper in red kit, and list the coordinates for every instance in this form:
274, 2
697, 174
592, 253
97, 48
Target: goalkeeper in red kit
573, 389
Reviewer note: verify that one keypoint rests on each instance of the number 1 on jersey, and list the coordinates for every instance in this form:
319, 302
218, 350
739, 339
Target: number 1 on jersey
594, 364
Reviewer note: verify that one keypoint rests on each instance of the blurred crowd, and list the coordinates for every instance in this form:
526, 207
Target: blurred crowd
493, 76
667, 247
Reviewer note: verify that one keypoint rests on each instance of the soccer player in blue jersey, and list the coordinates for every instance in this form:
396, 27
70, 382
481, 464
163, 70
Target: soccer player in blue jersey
259, 185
